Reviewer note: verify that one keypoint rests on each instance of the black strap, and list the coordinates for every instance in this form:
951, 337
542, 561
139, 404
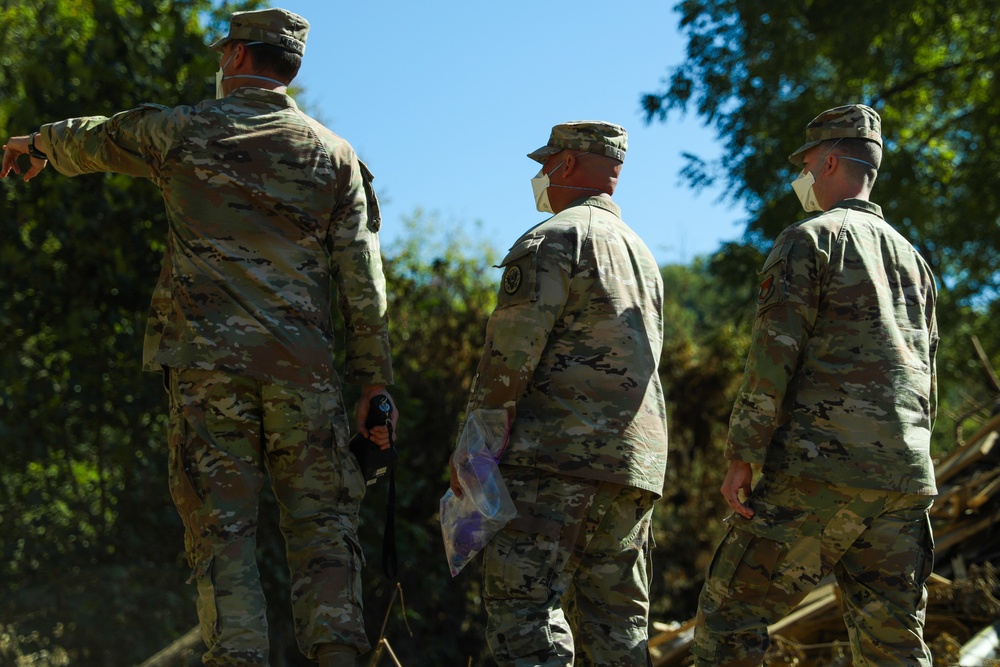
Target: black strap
33, 150
390, 563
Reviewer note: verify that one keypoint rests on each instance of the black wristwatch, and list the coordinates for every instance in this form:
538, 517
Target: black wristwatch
33, 150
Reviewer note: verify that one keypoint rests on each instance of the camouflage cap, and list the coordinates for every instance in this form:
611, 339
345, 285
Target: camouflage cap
594, 136
851, 121
279, 27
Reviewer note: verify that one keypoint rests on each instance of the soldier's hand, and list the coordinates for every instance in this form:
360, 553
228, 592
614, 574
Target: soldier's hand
738, 478
15, 148
378, 434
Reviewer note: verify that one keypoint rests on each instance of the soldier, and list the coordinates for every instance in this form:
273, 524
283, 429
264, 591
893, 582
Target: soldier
571, 354
837, 404
266, 208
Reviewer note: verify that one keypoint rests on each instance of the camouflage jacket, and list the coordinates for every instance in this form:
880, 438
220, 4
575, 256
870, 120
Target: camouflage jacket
267, 211
840, 381
572, 350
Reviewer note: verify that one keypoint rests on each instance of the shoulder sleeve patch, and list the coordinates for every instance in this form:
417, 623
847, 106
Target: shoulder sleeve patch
512, 279
773, 288
519, 281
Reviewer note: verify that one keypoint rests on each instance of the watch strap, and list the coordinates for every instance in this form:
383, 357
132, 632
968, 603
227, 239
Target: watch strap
33, 150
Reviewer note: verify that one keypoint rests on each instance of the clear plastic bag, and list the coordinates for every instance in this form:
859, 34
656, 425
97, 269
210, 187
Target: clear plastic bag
469, 522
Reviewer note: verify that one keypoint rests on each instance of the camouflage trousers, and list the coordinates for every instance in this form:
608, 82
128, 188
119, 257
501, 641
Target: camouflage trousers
225, 431
570, 575
878, 544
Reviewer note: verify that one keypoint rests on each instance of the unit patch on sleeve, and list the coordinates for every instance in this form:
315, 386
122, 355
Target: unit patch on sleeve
772, 290
766, 290
512, 279
520, 266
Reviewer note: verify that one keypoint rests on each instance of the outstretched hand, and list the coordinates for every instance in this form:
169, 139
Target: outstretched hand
15, 148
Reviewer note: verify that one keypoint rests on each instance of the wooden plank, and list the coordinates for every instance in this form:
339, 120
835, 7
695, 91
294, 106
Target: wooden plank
970, 451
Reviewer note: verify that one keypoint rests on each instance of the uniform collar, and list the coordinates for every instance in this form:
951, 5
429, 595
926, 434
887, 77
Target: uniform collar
264, 95
861, 204
599, 202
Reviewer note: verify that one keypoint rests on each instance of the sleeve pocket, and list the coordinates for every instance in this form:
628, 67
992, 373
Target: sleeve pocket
519, 283
773, 280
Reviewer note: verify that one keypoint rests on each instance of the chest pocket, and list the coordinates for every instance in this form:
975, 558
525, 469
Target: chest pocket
519, 283
773, 279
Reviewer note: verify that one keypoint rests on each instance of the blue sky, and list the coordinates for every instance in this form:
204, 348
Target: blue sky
444, 99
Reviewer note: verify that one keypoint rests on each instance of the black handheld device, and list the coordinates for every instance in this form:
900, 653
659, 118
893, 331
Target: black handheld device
375, 462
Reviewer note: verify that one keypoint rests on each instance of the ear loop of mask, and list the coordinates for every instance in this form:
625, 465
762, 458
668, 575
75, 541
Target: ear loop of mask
844, 157
820, 162
568, 187
854, 159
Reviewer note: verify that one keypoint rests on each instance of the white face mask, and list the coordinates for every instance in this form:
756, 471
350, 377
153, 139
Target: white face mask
803, 187
220, 75
540, 187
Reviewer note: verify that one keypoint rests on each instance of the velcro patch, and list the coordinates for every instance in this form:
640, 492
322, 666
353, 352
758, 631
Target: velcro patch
772, 290
512, 279
519, 281
766, 290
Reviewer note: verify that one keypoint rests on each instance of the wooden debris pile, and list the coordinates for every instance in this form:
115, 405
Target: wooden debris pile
963, 593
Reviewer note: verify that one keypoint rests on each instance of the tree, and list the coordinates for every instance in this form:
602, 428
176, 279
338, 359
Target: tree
90, 544
707, 310
442, 289
758, 71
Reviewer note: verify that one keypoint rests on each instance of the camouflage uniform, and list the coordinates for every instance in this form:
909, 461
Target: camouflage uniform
269, 211
571, 352
837, 405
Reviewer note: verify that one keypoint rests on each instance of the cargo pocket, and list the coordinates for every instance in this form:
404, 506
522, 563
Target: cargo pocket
536, 642
345, 465
925, 566
722, 568
208, 608
744, 565
706, 646
353, 486
519, 565
182, 489
357, 559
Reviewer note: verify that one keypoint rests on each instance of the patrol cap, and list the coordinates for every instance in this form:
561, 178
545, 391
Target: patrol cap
278, 27
851, 121
592, 136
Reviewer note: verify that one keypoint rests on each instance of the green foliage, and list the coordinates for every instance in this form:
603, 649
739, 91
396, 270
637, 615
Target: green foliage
90, 544
757, 72
707, 325
442, 290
